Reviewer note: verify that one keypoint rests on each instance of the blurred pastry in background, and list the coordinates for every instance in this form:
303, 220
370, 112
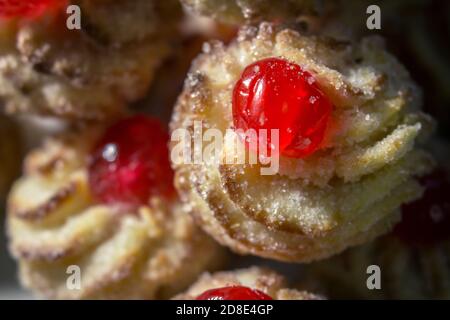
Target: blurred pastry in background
347, 156
34, 129
207, 27
195, 31
241, 11
88, 74
414, 260
253, 283
103, 201
10, 153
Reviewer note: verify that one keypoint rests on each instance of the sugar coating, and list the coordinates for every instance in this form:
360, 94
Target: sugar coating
346, 193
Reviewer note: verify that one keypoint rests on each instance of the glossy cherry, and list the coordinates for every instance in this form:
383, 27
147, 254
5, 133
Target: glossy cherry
427, 221
276, 94
130, 163
27, 8
233, 293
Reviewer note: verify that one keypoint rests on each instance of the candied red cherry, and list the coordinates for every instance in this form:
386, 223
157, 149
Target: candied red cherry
27, 8
427, 221
276, 94
233, 293
131, 163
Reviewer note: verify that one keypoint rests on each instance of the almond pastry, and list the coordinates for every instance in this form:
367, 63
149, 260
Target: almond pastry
255, 278
348, 189
54, 222
91, 73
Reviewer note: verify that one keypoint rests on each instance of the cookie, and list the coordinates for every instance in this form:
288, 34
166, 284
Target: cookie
340, 186
249, 283
127, 234
91, 73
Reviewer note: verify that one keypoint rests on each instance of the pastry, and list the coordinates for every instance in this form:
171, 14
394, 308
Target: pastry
104, 203
254, 283
90, 73
239, 11
10, 150
349, 142
414, 260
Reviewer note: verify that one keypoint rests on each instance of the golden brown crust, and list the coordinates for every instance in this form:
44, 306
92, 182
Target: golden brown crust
262, 279
90, 73
239, 11
349, 191
54, 223
229, 225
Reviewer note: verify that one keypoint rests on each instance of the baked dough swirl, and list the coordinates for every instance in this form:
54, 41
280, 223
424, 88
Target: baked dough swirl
346, 193
53, 223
